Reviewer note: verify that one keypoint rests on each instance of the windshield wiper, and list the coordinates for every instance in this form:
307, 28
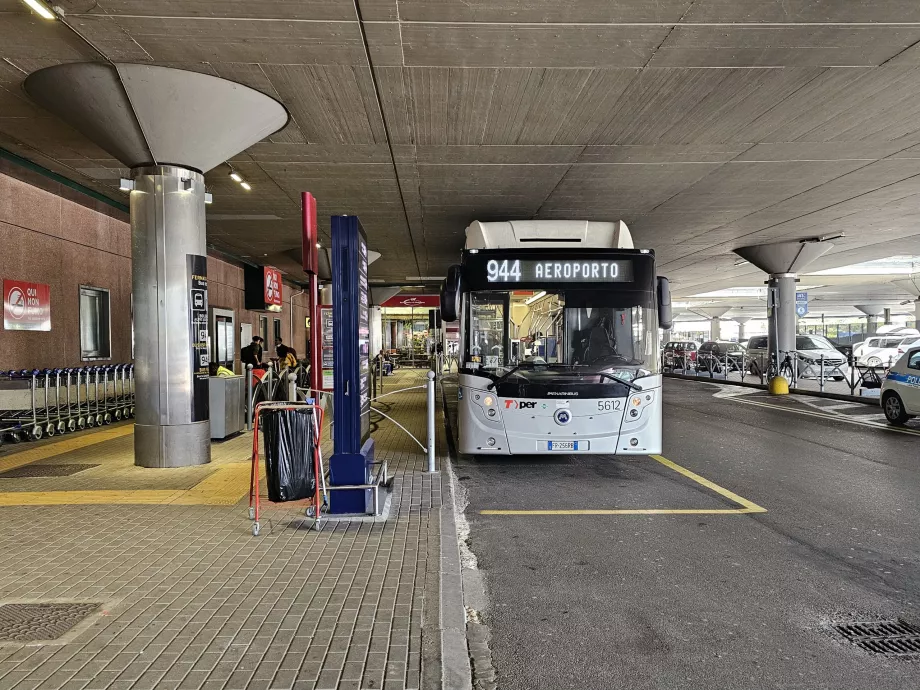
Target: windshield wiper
626, 383
504, 377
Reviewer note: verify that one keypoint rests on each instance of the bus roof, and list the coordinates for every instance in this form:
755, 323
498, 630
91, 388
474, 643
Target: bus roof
557, 234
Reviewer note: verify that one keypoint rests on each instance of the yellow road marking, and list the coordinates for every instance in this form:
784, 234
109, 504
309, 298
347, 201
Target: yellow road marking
730, 495
748, 506
49, 450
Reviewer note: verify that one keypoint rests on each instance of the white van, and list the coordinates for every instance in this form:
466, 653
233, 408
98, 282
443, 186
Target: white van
809, 350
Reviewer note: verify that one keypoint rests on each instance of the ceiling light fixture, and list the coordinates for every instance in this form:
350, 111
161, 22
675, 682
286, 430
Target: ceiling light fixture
208, 199
539, 295
246, 186
126, 185
319, 246
40, 9
235, 176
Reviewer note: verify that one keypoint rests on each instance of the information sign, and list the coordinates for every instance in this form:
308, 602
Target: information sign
26, 306
198, 335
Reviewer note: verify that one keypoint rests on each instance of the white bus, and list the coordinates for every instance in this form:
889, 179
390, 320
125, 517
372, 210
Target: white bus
558, 339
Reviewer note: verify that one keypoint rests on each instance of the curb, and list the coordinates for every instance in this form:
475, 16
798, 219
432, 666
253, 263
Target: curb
792, 391
456, 673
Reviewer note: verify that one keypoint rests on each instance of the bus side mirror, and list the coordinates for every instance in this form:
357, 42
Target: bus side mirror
664, 304
450, 295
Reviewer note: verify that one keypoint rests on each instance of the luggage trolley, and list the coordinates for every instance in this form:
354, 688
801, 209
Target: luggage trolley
316, 418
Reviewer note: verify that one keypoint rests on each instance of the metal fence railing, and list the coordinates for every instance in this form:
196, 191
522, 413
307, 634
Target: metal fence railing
794, 366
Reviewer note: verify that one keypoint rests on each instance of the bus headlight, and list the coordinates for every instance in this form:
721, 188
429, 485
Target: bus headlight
489, 401
491, 412
491, 441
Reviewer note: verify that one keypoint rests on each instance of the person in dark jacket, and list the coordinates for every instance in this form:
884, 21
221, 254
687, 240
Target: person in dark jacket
252, 353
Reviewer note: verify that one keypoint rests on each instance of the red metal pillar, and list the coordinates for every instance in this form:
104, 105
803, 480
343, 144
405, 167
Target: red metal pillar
310, 242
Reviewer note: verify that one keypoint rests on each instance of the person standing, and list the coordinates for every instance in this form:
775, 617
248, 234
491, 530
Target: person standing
252, 353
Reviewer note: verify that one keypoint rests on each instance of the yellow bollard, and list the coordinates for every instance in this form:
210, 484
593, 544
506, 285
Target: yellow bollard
779, 386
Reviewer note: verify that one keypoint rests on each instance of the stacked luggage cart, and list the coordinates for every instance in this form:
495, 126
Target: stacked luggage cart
36, 403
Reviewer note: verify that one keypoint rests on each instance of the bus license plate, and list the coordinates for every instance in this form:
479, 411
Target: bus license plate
567, 445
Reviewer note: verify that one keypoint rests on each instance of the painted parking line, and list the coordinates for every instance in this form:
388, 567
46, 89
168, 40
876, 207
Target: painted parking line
747, 507
823, 415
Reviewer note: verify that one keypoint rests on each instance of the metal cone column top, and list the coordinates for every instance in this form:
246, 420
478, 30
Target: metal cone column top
148, 115
712, 312
169, 126
870, 310
783, 257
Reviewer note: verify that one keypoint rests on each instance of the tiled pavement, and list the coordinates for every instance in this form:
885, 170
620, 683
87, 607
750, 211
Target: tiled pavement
190, 599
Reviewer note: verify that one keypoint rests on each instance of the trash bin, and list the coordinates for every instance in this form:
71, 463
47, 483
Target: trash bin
289, 449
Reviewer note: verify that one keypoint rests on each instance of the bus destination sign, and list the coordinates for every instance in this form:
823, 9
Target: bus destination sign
559, 270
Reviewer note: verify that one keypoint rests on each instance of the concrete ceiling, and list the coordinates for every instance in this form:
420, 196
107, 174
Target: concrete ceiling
704, 124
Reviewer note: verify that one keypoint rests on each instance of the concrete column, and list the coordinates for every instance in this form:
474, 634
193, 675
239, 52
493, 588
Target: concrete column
782, 262
714, 314
143, 115
872, 313
715, 329
741, 320
168, 249
782, 320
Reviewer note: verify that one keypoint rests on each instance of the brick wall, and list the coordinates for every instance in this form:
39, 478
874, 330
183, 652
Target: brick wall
52, 234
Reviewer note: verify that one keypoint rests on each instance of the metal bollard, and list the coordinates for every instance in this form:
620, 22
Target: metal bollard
292, 387
248, 397
851, 364
822, 373
431, 467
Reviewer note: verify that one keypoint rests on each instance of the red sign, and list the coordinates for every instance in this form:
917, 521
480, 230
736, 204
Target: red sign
418, 301
272, 287
26, 306
310, 233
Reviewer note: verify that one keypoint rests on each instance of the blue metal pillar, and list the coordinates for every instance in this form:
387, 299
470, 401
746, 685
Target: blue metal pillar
353, 457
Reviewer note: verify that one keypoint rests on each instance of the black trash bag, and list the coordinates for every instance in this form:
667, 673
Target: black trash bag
288, 437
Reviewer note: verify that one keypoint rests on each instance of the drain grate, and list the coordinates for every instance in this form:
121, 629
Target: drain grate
892, 638
37, 622
45, 471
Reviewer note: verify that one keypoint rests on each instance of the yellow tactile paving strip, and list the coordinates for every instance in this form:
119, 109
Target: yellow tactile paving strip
50, 450
225, 482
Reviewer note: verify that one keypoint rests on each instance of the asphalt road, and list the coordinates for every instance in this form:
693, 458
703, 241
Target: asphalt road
730, 600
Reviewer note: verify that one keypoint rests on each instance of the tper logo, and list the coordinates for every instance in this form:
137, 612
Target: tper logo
520, 405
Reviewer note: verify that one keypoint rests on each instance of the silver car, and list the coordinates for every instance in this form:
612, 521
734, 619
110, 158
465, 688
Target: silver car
809, 351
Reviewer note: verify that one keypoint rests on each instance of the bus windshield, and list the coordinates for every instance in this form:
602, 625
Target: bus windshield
585, 331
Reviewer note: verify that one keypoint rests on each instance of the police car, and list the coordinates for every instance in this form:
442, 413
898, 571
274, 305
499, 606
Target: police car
901, 390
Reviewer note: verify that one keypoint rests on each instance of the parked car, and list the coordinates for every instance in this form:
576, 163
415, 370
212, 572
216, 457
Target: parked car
877, 350
809, 350
845, 349
908, 343
713, 355
900, 396
679, 354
